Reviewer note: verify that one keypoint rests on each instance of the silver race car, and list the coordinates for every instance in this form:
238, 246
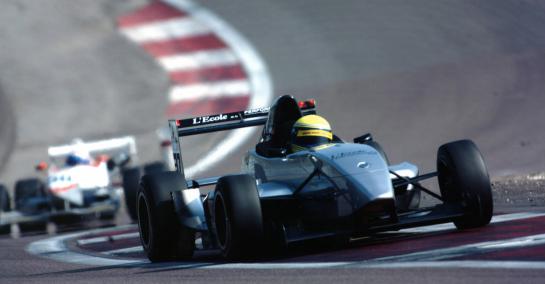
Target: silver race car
281, 198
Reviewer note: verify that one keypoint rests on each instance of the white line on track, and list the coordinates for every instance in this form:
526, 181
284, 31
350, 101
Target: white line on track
56, 249
125, 250
198, 60
96, 240
125, 236
473, 264
165, 30
89, 241
231, 88
362, 265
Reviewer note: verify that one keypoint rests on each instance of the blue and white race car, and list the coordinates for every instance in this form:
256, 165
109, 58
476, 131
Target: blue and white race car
82, 179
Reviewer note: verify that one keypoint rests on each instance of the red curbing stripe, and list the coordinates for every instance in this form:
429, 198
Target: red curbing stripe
208, 106
419, 242
221, 73
155, 11
187, 44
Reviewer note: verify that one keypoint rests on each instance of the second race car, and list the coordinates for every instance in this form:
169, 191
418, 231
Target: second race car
82, 179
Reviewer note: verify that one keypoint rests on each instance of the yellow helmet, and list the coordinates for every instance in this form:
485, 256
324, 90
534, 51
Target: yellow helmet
310, 131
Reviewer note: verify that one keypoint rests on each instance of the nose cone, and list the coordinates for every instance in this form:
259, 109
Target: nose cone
373, 185
364, 170
353, 159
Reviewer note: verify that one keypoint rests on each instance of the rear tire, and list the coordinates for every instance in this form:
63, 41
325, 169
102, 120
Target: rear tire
28, 189
237, 218
161, 234
30, 197
463, 178
131, 179
5, 206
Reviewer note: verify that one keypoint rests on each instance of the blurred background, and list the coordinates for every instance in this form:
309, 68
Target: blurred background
415, 74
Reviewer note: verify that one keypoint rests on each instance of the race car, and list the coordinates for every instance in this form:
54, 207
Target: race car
283, 197
82, 179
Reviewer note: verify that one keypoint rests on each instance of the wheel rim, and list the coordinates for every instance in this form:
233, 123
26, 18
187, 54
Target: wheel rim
222, 222
144, 220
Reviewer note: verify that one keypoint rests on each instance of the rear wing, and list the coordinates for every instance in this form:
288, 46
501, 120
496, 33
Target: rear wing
111, 147
220, 122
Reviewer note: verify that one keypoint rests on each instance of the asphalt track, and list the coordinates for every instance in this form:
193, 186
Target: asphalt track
414, 74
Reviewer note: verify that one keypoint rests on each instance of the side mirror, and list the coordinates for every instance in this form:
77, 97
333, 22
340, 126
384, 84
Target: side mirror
277, 152
364, 138
42, 166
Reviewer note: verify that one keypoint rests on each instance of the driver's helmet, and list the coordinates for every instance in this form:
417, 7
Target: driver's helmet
310, 131
79, 156
74, 159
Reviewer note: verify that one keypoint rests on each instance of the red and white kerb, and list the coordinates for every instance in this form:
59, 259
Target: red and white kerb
206, 74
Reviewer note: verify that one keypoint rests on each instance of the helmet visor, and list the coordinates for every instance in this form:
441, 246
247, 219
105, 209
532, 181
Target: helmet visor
309, 138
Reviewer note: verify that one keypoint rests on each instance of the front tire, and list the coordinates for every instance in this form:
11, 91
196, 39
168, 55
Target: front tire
463, 178
161, 234
131, 179
4, 207
30, 197
238, 220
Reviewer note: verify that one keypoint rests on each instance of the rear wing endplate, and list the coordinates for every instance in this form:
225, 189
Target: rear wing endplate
220, 122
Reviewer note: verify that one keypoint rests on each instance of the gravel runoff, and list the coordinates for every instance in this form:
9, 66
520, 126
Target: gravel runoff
519, 191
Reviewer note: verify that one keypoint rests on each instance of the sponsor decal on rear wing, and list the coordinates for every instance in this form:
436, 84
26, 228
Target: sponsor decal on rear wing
220, 122
239, 116
232, 120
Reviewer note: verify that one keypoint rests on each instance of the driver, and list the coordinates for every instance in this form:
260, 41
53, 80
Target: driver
75, 158
310, 132
79, 156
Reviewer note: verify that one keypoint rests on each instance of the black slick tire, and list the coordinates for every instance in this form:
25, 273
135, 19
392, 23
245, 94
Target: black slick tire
237, 217
463, 178
5, 206
161, 235
131, 180
26, 191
